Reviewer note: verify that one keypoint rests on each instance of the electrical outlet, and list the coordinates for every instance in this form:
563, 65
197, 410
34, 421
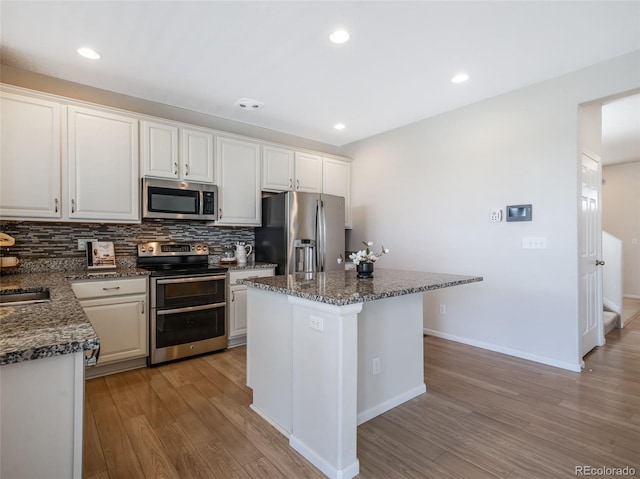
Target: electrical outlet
534, 243
82, 243
376, 366
443, 309
316, 323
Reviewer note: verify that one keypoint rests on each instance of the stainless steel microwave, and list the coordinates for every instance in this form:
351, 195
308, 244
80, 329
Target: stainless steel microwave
179, 200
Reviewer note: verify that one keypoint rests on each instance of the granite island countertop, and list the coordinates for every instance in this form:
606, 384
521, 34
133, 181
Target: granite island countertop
53, 328
343, 287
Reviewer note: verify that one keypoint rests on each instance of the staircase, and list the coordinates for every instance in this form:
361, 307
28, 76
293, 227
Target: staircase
611, 281
610, 320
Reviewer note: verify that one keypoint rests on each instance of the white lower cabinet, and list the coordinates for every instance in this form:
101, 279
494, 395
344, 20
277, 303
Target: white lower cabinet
237, 303
117, 309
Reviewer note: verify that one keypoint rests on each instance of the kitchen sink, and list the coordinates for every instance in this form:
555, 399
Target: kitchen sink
12, 297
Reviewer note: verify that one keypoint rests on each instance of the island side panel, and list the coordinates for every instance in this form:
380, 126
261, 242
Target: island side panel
391, 330
41, 417
269, 356
325, 382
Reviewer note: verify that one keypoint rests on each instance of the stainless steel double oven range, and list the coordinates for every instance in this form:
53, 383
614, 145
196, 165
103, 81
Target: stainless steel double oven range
188, 300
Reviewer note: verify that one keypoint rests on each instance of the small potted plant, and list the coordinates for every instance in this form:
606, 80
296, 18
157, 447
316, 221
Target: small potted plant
364, 259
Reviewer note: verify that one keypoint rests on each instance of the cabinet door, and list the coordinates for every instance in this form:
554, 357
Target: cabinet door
103, 176
196, 154
278, 169
308, 173
121, 324
238, 311
336, 180
30, 158
238, 177
159, 149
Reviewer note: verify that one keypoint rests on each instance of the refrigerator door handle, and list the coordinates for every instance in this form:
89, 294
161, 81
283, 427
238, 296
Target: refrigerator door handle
322, 237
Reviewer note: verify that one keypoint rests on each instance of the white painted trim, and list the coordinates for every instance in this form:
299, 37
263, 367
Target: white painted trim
279, 428
352, 470
511, 352
78, 413
381, 408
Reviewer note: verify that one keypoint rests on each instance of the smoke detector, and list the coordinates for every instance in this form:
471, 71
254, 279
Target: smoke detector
248, 104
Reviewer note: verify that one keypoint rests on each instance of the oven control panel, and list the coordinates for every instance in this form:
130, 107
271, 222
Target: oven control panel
172, 248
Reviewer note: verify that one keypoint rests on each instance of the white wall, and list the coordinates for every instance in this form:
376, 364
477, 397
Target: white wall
621, 218
425, 191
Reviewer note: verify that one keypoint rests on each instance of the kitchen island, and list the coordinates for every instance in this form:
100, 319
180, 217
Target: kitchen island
327, 352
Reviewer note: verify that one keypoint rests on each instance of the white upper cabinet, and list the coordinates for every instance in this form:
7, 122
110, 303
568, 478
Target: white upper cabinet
159, 149
286, 170
30, 157
102, 180
174, 151
278, 168
308, 173
238, 179
336, 180
196, 154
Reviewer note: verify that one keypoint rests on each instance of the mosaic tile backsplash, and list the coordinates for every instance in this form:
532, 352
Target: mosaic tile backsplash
39, 240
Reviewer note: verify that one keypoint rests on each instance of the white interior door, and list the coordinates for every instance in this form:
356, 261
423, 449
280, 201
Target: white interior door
590, 289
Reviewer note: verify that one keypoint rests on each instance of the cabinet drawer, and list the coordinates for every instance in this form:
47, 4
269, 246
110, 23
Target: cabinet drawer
234, 276
110, 287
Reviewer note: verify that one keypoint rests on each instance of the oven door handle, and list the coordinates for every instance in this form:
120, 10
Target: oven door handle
190, 308
193, 279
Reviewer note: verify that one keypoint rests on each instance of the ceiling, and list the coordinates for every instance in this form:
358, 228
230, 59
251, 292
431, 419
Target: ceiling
396, 69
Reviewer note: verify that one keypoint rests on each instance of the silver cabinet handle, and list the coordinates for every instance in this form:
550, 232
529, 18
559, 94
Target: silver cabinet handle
186, 169
56, 202
73, 206
220, 215
175, 168
290, 184
112, 288
142, 306
599, 263
297, 184
233, 296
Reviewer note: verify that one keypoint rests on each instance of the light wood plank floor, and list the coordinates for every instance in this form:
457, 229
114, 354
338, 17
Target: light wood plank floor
485, 415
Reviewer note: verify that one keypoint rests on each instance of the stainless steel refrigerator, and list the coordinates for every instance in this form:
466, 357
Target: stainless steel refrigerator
301, 232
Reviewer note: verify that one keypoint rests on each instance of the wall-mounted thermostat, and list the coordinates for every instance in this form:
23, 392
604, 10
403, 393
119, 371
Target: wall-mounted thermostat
519, 213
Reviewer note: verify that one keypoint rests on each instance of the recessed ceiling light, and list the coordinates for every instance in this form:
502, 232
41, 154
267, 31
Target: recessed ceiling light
339, 36
89, 53
339, 126
459, 78
248, 104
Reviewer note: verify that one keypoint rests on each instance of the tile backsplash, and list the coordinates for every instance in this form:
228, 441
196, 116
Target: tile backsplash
40, 240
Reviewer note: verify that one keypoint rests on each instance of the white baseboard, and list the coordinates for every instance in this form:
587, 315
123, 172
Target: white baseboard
631, 296
127, 365
352, 470
370, 413
508, 351
279, 428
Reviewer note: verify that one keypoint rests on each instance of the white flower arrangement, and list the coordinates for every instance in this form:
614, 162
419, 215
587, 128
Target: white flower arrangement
365, 255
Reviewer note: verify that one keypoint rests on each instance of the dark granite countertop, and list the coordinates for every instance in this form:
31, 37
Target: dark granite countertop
343, 287
53, 328
250, 265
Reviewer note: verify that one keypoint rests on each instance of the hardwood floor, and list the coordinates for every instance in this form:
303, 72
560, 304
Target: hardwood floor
485, 415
